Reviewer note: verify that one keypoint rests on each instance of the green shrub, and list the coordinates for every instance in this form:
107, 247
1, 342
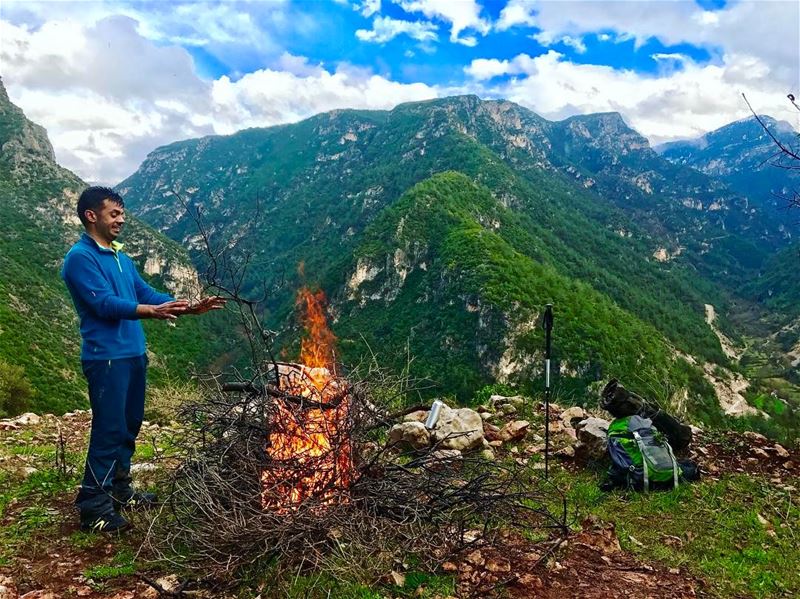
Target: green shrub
15, 390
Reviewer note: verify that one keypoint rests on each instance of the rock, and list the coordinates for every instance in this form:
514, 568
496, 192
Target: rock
566, 452
515, 400
27, 419
147, 592
447, 456
8, 590
460, 429
491, 432
28, 470
169, 583
83, 591
507, 409
449, 567
571, 416
143, 467
760, 453
398, 579
754, 436
592, 433
780, 451
514, 430
410, 434
789, 465
418, 416
476, 558
40, 594
498, 565
486, 415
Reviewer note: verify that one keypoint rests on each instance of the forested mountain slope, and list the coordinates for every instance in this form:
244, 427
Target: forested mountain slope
584, 204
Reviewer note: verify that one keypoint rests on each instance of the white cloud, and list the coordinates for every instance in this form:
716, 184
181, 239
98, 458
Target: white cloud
461, 14
387, 28
767, 29
546, 39
669, 105
103, 119
268, 97
515, 13
368, 7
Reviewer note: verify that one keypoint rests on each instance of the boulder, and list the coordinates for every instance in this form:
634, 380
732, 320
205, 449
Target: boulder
27, 419
592, 438
514, 430
460, 429
418, 416
572, 416
410, 434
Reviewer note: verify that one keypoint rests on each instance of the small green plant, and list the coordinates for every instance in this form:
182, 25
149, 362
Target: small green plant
122, 564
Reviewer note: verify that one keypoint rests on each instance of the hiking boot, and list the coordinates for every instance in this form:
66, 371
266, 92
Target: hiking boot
135, 500
110, 521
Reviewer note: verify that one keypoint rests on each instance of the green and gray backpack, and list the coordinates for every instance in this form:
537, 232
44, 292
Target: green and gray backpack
639, 449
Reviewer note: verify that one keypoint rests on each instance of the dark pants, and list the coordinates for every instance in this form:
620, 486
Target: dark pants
116, 394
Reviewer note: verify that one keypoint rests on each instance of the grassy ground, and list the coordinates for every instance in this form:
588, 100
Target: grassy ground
736, 532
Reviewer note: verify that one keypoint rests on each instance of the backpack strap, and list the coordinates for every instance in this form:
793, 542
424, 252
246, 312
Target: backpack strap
640, 443
674, 466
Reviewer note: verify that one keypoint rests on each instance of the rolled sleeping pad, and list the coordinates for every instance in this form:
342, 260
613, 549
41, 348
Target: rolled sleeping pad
620, 402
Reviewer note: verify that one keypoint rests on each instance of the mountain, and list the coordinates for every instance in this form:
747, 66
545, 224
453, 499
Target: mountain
632, 246
38, 224
744, 155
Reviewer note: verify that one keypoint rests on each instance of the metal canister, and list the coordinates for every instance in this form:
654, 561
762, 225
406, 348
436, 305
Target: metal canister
433, 415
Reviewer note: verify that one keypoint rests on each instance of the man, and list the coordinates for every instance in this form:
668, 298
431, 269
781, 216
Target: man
111, 298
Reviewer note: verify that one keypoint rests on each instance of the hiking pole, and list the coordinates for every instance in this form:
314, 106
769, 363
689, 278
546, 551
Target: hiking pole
547, 323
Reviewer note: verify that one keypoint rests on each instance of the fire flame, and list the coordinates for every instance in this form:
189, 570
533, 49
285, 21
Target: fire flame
316, 350
310, 453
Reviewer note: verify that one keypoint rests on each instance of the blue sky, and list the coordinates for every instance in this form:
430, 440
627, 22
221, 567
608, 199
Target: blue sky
111, 81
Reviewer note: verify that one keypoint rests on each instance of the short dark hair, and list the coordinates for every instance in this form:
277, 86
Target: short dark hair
92, 199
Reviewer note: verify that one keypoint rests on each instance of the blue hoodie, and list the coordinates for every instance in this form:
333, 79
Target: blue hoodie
106, 288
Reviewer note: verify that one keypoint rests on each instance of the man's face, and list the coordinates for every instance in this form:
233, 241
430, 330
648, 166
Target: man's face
108, 220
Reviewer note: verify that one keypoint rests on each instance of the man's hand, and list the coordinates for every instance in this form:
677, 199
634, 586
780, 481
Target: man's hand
206, 304
166, 311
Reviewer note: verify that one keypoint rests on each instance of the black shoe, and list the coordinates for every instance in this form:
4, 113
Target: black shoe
111, 521
135, 500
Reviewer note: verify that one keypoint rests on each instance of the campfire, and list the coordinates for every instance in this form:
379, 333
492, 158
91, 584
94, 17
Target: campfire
309, 446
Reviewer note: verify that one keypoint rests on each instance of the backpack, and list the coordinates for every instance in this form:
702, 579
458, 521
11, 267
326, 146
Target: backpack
641, 454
